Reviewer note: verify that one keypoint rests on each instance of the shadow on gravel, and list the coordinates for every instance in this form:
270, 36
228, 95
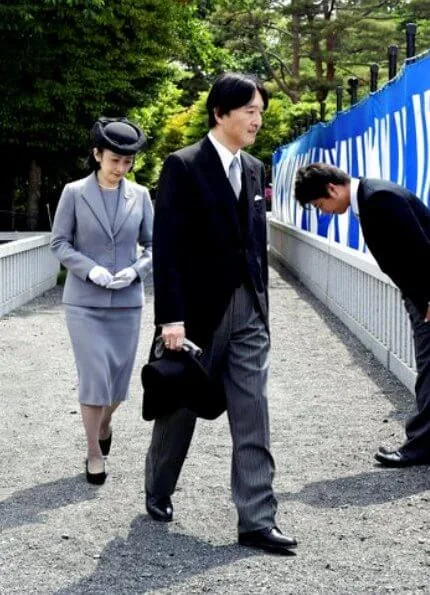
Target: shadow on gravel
365, 489
389, 386
27, 506
154, 557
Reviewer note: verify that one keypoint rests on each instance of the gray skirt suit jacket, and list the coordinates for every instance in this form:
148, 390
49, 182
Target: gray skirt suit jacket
103, 323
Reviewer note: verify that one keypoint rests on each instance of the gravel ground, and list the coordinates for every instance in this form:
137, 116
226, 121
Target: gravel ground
361, 529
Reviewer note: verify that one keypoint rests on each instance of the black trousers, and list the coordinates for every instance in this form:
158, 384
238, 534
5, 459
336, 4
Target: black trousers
417, 444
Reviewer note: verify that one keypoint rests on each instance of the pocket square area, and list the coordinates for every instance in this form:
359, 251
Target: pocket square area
257, 197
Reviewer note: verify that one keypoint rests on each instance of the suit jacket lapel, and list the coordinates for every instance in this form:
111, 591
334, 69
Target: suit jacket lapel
127, 200
250, 178
221, 190
94, 199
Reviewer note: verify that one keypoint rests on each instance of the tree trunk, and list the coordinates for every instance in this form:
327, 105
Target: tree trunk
9, 161
330, 43
295, 26
6, 211
34, 183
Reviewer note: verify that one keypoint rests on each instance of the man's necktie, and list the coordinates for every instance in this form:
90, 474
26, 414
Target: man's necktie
235, 176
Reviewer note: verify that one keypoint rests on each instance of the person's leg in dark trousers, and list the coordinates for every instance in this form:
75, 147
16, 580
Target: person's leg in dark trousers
240, 348
417, 444
245, 381
172, 434
171, 437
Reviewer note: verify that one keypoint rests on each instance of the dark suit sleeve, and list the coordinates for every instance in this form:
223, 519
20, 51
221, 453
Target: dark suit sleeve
169, 242
402, 245
265, 268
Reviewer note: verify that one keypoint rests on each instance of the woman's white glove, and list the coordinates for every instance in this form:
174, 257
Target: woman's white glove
123, 278
100, 276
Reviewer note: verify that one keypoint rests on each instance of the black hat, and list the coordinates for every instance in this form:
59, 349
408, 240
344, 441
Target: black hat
178, 380
118, 135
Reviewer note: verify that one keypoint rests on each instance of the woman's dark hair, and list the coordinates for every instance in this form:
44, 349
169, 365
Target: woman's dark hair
230, 91
311, 181
91, 162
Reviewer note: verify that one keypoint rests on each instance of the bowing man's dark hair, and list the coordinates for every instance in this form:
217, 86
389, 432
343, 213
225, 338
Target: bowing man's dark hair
231, 91
311, 181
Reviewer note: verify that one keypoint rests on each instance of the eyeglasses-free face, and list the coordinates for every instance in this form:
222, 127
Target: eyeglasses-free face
239, 127
337, 201
113, 167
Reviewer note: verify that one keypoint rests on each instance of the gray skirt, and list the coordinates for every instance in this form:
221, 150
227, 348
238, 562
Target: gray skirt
104, 342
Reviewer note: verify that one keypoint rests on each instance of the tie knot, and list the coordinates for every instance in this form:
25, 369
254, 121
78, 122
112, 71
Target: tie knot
234, 163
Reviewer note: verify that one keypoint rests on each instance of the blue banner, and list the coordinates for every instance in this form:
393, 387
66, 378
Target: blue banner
386, 136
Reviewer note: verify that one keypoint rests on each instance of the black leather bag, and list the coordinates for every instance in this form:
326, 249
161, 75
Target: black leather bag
174, 380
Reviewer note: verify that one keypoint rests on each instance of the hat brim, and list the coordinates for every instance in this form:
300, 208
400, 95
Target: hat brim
99, 138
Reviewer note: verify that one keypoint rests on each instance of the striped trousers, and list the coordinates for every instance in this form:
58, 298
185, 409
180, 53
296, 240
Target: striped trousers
239, 351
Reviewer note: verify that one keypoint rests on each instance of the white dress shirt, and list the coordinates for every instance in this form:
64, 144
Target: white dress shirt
225, 155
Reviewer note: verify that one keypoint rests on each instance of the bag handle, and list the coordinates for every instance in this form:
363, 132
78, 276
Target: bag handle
187, 346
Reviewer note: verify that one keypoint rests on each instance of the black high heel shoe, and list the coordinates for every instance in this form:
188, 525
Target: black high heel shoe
97, 479
105, 445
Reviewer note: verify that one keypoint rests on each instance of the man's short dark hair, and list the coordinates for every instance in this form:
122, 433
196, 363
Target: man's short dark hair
311, 181
231, 91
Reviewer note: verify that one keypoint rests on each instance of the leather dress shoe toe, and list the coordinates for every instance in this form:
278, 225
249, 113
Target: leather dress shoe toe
395, 458
271, 540
160, 509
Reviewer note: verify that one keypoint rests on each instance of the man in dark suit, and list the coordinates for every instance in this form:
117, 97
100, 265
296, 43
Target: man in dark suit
210, 286
396, 228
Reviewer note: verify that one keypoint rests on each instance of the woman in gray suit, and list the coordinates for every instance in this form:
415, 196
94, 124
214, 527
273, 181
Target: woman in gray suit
99, 221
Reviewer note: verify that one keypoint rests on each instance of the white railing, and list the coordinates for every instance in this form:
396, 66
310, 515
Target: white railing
352, 286
27, 268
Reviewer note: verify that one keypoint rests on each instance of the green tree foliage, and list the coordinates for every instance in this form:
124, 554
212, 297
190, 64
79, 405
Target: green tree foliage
314, 45
165, 105
417, 12
191, 124
302, 49
65, 62
276, 129
197, 123
170, 126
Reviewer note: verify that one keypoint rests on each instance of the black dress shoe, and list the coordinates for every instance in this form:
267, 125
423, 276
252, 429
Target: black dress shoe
97, 479
395, 458
105, 445
271, 540
160, 509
